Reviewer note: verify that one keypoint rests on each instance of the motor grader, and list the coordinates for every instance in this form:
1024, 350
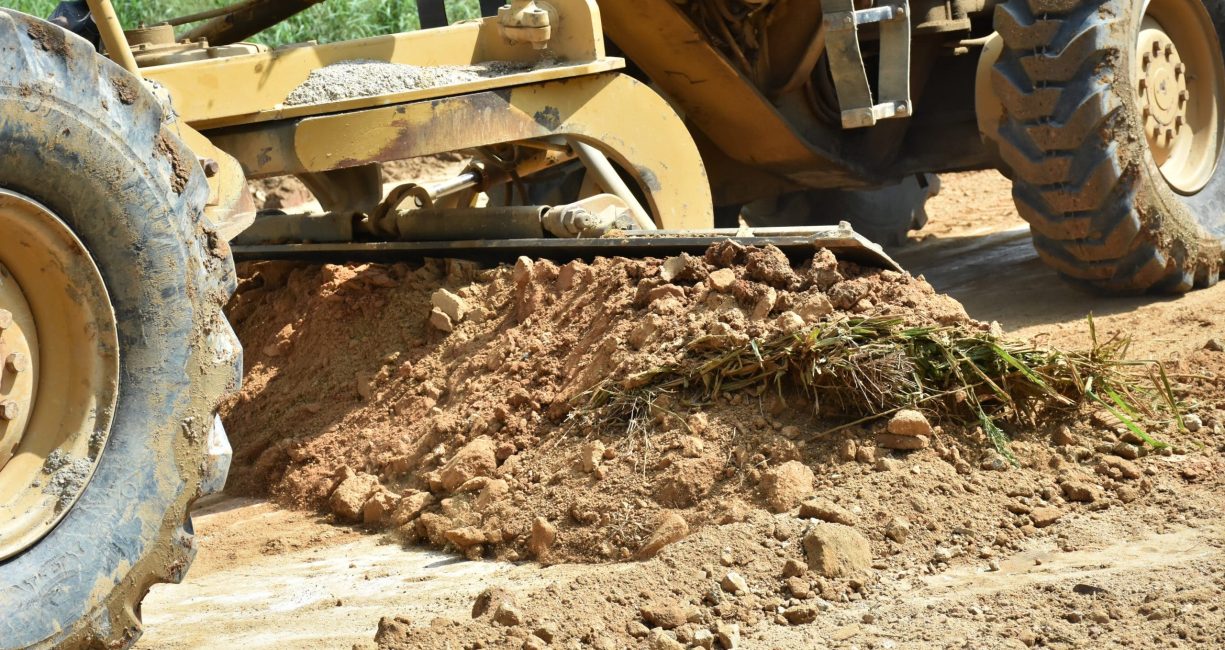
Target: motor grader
124, 157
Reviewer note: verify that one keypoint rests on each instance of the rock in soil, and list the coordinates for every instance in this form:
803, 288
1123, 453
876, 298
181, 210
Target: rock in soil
477, 458
837, 551
784, 486
671, 528
826, 510
351, 495
909, 423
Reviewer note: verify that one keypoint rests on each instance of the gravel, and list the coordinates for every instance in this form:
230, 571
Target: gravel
352, 79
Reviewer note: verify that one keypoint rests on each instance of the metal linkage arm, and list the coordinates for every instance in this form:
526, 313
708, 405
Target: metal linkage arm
846, 61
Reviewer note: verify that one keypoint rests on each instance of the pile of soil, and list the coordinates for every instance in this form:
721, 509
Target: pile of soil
443, 402
363, 398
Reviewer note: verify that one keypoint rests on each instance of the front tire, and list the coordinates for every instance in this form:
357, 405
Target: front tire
1108, 203
85, 141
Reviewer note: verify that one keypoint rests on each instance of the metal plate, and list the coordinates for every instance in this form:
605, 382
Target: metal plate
796, 242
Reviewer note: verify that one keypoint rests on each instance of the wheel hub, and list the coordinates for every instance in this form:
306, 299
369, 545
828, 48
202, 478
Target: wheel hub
19, 356
1164, 97
59, 370
1180, 84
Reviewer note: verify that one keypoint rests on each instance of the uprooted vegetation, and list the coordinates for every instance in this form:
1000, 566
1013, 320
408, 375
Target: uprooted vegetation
598, 412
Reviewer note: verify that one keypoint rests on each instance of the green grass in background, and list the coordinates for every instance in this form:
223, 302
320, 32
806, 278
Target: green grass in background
333, 20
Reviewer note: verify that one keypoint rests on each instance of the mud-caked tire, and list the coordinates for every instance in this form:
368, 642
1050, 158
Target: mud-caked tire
1075, 136
88, 141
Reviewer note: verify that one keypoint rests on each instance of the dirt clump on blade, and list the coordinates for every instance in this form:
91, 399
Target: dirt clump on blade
476, 435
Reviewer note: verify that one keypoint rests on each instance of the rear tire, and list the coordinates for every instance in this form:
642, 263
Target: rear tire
87, 140
1074, 137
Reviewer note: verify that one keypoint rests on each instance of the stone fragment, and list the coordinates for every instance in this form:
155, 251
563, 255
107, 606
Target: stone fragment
591, 454
784, 486
1045, 516
1123, 467
666, 615
789, 322
664, 292
547, 632
544, 535
734, 583
508, 614
379, 506
465, 537
441, 321
794, 568
671, 528
351, 495
452, 305
722, 280
1080, 491
489, 600
837, 551
658, 639
908, 422
477, 458
798, 587
887, 465
800, 614
524, 270
901, 442
729, 635
1125, 450
815, 308
847, 450
410, 506
898, 529
704, 639
826, 510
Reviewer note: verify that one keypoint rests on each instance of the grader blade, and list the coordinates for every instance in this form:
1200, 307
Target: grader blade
796, 242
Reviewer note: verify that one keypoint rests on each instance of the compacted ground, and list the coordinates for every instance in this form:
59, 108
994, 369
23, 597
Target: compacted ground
415, 465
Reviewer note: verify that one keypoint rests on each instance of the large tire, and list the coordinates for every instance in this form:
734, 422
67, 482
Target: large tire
1073, 136
87, 140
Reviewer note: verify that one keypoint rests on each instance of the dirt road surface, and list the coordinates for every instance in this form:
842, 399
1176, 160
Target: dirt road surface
1150, 574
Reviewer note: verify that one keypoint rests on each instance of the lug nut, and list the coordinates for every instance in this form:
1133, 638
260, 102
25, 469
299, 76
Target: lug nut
1183, 96
9, 410
6, 319
17, 362
1179, 69
1169, 50
211, 167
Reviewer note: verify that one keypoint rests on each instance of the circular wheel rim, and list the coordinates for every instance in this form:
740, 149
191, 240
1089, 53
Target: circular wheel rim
60, 370
1180, 81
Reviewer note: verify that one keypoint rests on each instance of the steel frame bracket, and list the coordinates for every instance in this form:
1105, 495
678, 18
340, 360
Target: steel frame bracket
846, 62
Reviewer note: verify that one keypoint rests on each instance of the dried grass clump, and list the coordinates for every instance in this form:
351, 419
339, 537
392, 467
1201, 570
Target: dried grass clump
862, 369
